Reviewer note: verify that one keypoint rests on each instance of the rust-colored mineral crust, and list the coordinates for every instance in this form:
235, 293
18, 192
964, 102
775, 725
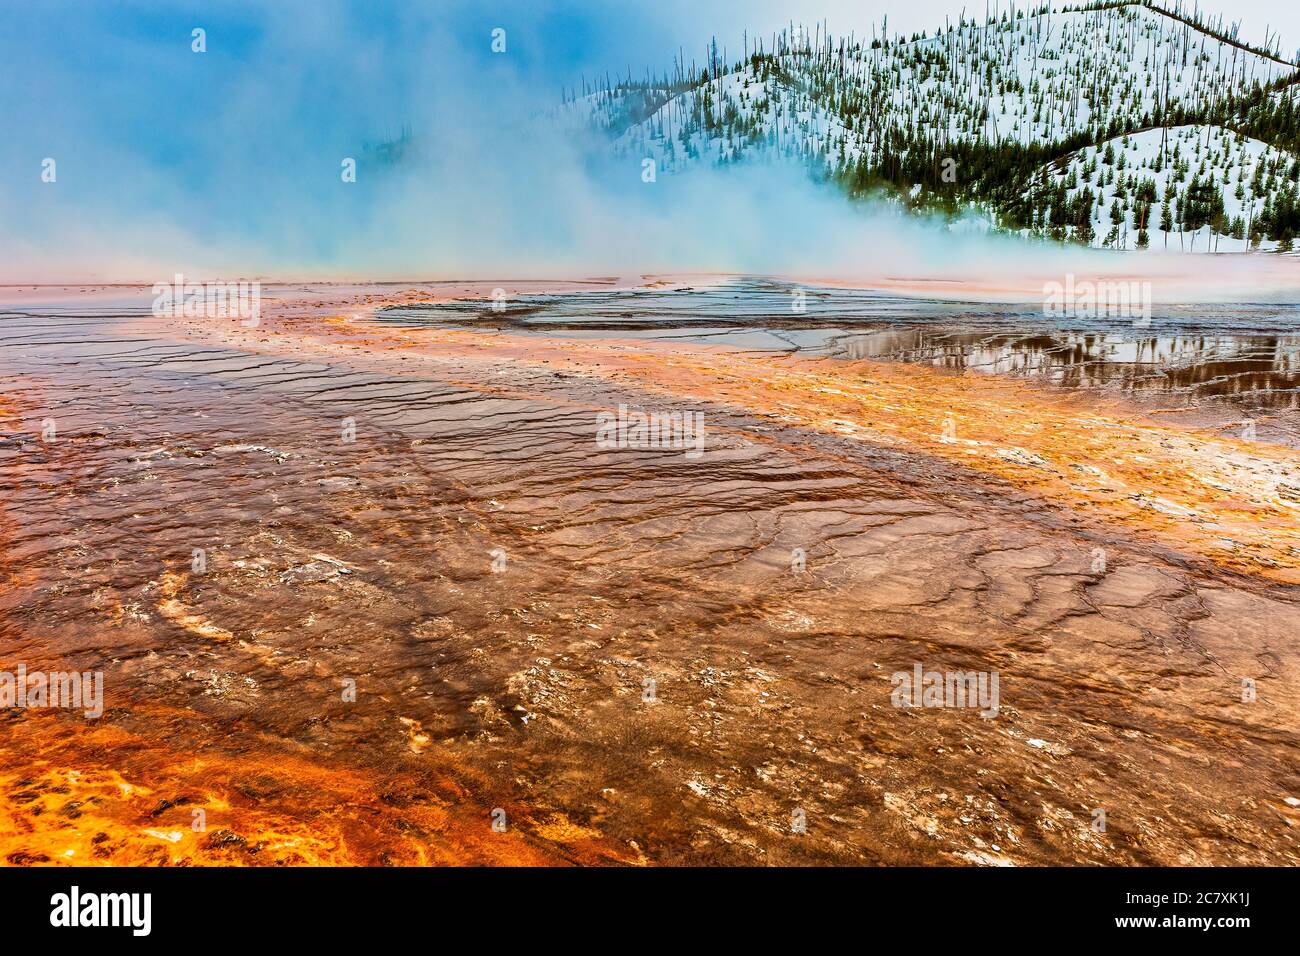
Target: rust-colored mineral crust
474, 636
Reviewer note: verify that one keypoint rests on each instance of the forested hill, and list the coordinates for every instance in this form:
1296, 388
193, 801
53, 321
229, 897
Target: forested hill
1124, 125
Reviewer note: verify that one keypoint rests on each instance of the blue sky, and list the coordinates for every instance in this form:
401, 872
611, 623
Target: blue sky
230, 158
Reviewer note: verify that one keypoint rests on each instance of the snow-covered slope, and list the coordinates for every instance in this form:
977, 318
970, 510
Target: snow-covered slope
1199, 188
977, 113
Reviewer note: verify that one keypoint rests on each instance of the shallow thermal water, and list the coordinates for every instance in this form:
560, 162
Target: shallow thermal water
612, 650
1244, 357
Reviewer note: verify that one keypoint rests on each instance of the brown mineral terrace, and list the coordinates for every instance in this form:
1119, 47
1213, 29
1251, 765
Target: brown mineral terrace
473, 614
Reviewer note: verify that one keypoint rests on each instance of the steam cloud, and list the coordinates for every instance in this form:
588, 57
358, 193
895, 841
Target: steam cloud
228, 163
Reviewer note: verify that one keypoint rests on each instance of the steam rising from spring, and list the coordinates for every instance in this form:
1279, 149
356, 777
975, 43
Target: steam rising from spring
237, 170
